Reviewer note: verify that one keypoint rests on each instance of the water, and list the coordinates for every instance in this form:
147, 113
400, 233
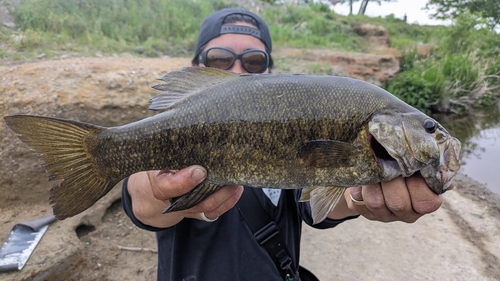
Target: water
481, 163
480, 137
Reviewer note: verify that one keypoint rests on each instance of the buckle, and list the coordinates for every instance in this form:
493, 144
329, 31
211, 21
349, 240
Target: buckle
266, 233
286, 264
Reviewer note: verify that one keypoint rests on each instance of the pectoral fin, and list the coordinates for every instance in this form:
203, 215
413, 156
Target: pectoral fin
327, 153
192, 198
323, 200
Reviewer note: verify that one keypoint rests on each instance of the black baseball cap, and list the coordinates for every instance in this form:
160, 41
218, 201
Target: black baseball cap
213, 27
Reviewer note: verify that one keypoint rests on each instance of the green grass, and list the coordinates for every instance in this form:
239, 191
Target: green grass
147, 28
162, 27
314, 26
461, 73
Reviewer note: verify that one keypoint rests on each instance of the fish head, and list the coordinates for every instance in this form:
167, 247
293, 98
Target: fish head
407, 142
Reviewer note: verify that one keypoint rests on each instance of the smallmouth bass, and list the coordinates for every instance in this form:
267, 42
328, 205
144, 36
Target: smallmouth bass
319, 133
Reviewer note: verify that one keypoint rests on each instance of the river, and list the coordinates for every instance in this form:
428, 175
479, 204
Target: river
480, 137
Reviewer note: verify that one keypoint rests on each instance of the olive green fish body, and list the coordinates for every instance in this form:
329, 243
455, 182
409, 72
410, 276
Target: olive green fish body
265, 128
320, 133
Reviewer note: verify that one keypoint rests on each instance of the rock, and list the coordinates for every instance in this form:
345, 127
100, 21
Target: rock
377, 35
10, 25
59, 251
373, 68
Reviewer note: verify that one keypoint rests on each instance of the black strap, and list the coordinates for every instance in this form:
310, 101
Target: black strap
266, 232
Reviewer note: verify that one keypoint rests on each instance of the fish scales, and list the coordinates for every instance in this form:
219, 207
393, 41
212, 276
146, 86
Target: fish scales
320, 133
229, 134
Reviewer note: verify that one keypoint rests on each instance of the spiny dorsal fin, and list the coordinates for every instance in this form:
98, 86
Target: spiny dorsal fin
186, 82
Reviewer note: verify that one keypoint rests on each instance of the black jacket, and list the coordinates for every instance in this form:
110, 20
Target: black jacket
226, 249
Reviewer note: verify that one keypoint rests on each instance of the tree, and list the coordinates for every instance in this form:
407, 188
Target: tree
350, 4
489, 10
364, 3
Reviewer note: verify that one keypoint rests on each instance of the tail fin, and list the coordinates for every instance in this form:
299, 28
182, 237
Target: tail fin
65, 147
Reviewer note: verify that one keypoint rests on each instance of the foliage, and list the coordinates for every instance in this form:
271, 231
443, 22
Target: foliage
115, 23
415, 90
468, 33
314, 25
463, 70
453, 83
403, 35
489, 10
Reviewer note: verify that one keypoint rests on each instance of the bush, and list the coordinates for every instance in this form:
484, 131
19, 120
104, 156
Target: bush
447, 83
463, 73
415, 90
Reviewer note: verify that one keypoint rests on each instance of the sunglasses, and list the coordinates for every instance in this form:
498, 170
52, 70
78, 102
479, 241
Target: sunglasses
253, 61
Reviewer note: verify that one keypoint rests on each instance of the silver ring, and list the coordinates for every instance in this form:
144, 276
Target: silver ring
357, 202
203, 217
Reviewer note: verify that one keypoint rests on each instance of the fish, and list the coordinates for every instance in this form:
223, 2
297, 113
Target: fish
321, 134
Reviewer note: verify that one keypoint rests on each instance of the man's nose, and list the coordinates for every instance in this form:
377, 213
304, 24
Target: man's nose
237, 67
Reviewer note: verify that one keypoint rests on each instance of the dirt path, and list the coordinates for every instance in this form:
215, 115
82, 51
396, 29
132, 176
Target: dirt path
461, 241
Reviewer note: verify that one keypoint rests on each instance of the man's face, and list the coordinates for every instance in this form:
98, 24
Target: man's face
238, 43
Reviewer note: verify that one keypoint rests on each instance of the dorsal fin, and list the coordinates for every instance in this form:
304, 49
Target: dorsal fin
186, 82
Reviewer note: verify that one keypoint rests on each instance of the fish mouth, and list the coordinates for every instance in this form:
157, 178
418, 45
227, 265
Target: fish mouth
440, 179
438, 176
388, 164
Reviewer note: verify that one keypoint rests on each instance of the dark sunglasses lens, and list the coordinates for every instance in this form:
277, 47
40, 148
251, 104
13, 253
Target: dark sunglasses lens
219, 58
254, 62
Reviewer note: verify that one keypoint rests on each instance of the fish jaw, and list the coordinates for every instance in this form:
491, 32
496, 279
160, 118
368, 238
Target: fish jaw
440, 179
389, 166
392, 147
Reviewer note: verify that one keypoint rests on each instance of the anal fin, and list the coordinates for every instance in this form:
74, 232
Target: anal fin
192, 198
305, 196
323, 200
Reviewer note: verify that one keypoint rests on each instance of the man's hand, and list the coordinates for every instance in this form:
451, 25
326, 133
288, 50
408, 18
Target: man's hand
151, 192
401, 199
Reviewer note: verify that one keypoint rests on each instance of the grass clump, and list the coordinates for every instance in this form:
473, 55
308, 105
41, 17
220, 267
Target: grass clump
461, 73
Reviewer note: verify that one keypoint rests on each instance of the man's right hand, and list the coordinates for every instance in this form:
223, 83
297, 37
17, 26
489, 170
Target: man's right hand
151, 192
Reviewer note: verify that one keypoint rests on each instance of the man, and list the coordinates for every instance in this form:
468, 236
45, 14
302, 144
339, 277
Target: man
212, 241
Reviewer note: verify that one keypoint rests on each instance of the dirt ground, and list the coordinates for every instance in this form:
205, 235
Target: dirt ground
460, 241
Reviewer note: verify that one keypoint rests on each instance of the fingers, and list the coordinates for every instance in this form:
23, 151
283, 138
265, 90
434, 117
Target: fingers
424, 201
168, 184
401, 199
217, 204
374, 207
398, 201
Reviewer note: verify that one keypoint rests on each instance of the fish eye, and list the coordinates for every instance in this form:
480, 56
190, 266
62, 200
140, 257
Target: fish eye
430, 126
